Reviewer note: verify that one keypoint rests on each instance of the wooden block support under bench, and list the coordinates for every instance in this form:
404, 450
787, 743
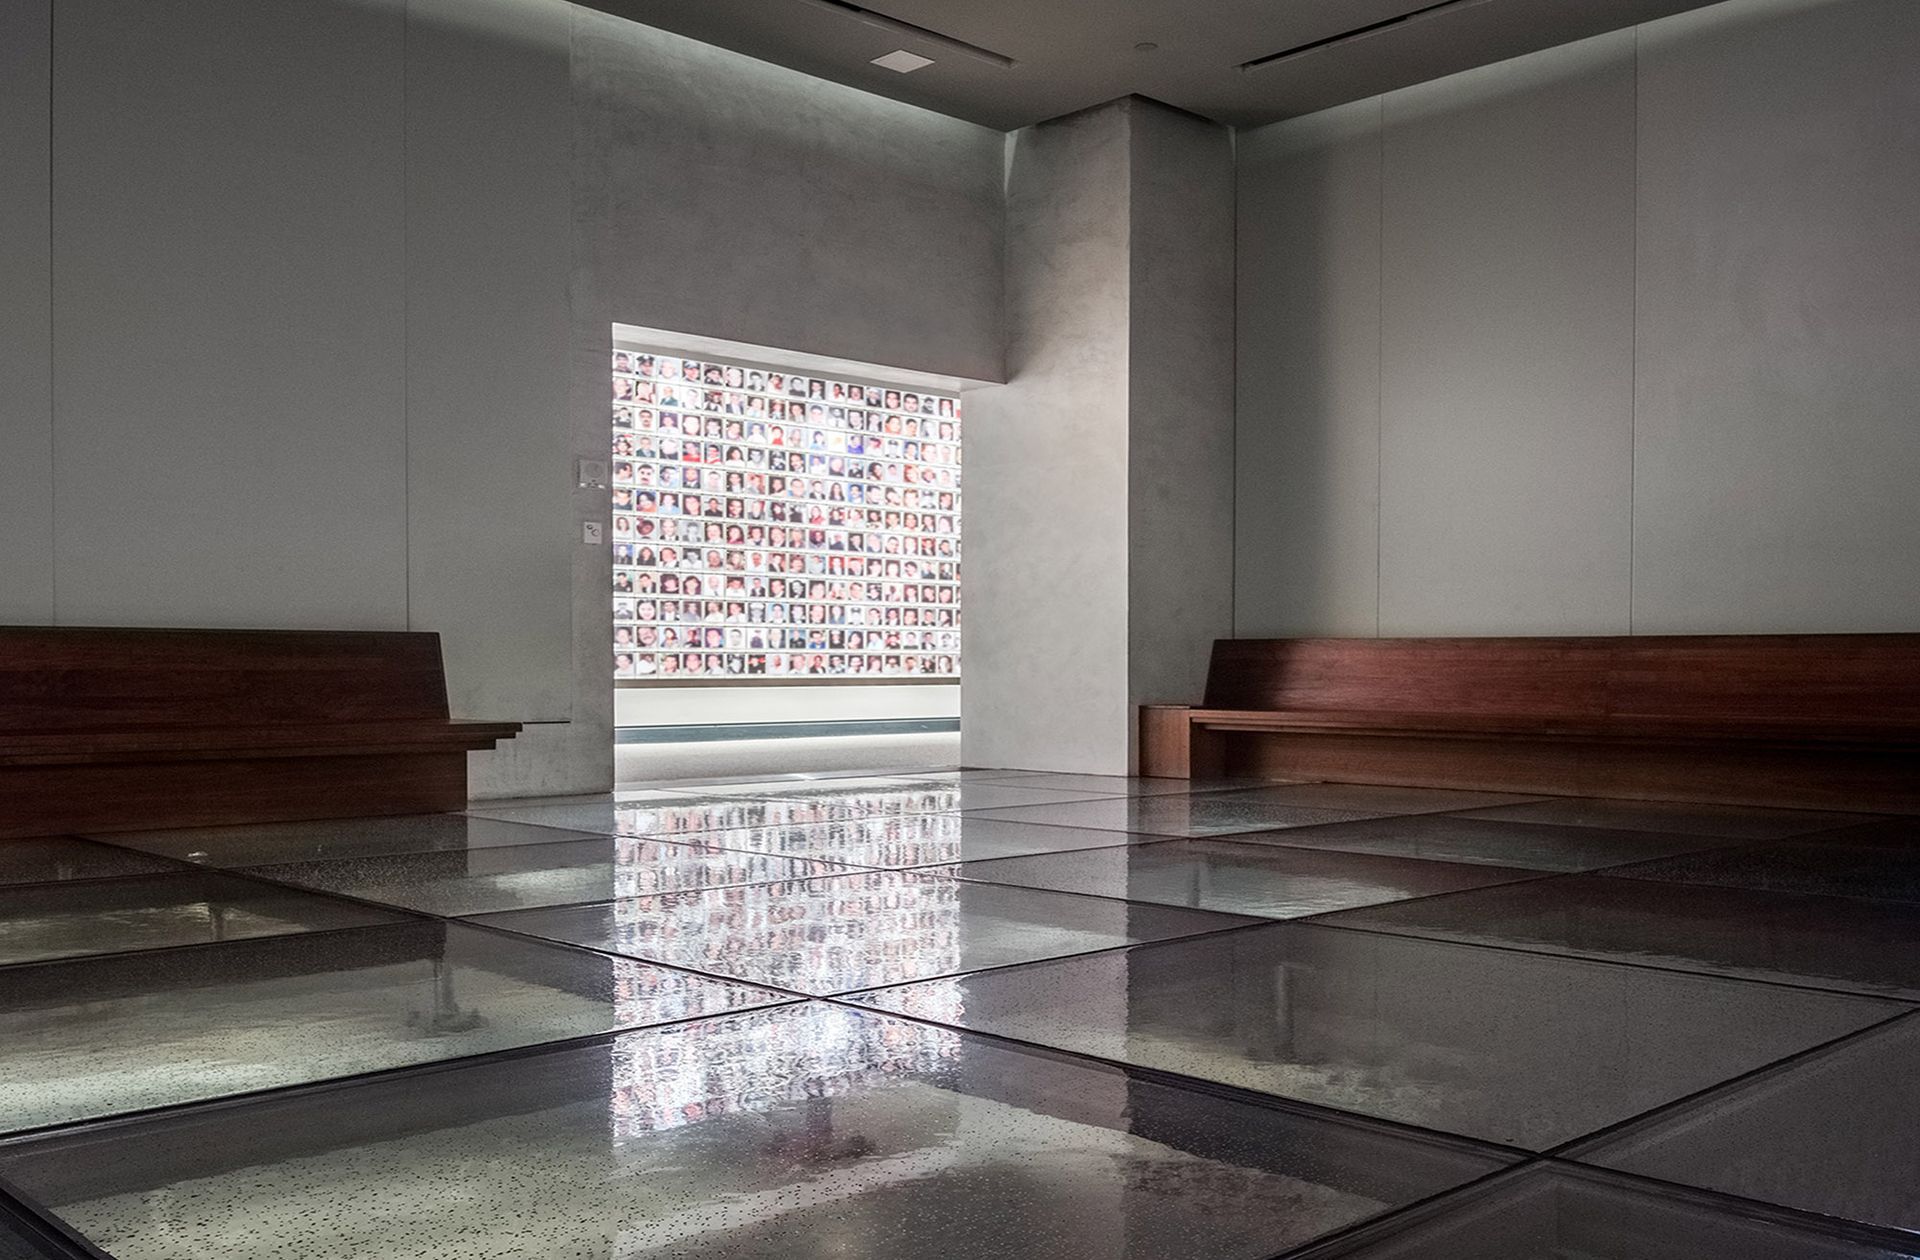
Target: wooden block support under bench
119, 729
1814, 721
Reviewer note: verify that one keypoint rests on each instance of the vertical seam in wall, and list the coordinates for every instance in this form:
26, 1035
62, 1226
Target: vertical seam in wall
406, 321
575, 711
1633, 375
1129, 196
1233, 430
1379, 355
53, 429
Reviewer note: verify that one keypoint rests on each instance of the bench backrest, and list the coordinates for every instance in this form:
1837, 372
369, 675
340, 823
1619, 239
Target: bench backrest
1838, 678
72, 679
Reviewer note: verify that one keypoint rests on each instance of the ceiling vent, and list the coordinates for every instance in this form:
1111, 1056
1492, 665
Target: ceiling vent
895, 26
903, 61
1358, 33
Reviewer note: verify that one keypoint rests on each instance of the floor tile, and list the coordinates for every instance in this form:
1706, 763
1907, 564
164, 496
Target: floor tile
623, 792
1204, 814
1736, 822
684, 783
1257, 879
486, 880
259, 844
861, 798
105, 916
1898, 833
687, 815
1378, 798
858, 931
1834, 1134
22, 1238
1118, 785
1463, 838
1011, 794
1828, 942
654, 815
1559, 1212
912, 840
934, 798
796, 786
1882, 872
967, 774
95, 1036
1524, 1049
51, 858
804, 1131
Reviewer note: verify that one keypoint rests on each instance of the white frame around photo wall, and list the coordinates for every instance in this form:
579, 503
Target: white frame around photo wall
781, 524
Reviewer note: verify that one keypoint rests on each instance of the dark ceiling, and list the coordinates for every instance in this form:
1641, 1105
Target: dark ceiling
1070, 54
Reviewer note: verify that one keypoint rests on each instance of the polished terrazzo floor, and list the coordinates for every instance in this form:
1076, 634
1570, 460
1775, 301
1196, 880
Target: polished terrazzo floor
970, 1014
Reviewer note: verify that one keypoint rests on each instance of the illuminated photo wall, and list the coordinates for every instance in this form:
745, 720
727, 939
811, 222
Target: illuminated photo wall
772, 525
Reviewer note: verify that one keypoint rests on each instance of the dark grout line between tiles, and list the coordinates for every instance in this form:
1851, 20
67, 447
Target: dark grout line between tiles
48, 1230
1778, 1067
1209, 934
1320, 920
183, 946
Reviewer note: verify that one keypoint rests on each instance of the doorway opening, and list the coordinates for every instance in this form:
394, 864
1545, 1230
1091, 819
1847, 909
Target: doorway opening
786, 558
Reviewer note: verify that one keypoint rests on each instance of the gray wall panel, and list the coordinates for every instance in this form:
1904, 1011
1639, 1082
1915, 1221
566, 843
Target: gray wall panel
754, 203
1180, 381
1045, 526
332, 286
491, 529
719, 196
1308, 364
26, 330
228, 368
1507, 347
1736, 194
1779, 388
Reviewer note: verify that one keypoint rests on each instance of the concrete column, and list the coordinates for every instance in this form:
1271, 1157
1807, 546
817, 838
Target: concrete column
1099, 518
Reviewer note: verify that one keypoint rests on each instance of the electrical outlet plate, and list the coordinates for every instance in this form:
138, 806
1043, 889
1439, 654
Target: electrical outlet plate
592, 533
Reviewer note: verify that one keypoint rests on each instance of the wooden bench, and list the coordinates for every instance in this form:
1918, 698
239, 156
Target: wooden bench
1823, 721
111, 729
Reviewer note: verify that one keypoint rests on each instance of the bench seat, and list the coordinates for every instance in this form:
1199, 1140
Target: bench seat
194, 743
109, 729
1819, 721
1523, 726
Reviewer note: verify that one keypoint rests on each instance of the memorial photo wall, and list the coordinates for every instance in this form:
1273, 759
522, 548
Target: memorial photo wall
769, 524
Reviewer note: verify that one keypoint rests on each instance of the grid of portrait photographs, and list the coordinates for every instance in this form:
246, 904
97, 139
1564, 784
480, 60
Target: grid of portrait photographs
768, 524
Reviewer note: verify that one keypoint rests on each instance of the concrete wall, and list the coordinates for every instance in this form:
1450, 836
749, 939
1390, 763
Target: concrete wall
1778, 408
1180, 413
1307, 457
1044, 654
1098, 527
229, 327
718, 196
26, 332
724, 197
489, 253
306, 309
1615, 337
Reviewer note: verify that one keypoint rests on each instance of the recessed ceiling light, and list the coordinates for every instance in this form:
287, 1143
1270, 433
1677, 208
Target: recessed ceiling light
903, 61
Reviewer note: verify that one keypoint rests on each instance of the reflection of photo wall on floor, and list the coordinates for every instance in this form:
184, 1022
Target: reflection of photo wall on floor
767, 524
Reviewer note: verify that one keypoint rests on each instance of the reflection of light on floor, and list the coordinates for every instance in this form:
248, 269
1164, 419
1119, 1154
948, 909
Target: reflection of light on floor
809, 805
701, 1071
886, 842
857, 925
